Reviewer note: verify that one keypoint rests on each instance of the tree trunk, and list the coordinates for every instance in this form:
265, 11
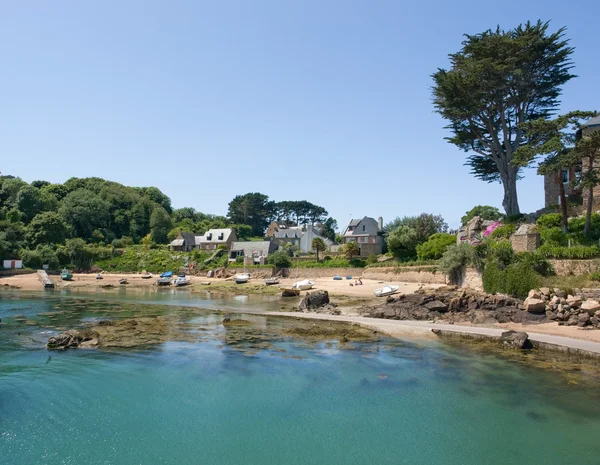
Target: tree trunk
588, 213
563, 204
508, 175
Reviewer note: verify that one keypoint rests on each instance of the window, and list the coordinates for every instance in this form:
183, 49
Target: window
364, 228
564, 175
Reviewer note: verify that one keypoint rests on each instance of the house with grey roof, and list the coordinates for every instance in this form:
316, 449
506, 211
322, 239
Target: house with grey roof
184, 242
299, 236
567, 176
367, 233
213, 238
256, 251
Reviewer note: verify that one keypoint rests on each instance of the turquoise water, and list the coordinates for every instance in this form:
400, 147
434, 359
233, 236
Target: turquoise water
220, 401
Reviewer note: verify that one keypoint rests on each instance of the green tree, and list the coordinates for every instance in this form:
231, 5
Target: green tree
12, 239
587, 151
404, 234
46, 228
280, 259
79, 254
318, 245
84, 212
160, 225
351, 249
328, 228
435, 246
498, 81
403, 241
485, 212
254, 209
554, 138
29, 201
9, 189
242, 231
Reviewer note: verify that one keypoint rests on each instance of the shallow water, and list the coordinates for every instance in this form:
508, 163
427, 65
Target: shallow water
221, 401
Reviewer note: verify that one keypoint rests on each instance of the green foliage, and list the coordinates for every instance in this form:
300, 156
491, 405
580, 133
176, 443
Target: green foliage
595, 276
435, 246
280, 258
404, 234
351, 249
79, 254
575, 253
254, 209
515, 280
485, 212
160, 224
504, 231
547, 221
318, 245
243, 231
136, 259
333, 263
501, 253
456, 258
328, 228
46, 228
371, 259
493, 86
553, 236
84, 212
535, 261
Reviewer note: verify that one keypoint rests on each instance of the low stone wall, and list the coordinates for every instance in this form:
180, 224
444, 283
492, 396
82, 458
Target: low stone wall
472, 279
15, 272
575, 267
405, 274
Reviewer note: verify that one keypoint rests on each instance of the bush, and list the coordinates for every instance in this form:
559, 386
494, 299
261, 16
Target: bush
117, 243
515, 280
371, 259
435, 246
595, 276
503, 232
326, 258
575, 253
548, 220
456, 258
485, 212
502, 253
535, 261
553, 236
280, 259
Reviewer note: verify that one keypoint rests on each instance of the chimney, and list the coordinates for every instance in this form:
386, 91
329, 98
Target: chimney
380, 223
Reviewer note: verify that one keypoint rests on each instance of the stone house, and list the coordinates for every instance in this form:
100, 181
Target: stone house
256, 252
552, 181
184, 242
298, 236
213, 238
367, 233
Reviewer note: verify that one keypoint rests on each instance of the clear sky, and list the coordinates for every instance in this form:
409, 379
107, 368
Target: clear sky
320, 100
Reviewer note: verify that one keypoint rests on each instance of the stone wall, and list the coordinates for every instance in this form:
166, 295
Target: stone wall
575, 267
470, 278
405, 274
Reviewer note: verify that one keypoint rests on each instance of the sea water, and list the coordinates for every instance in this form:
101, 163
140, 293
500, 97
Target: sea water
292, 401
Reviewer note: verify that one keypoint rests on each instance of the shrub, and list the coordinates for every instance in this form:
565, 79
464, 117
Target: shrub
117, 243
326, 258
576, 253
371, 259
485, 212
239, 259
435, 246
539, 264
553, 236
280, 259
504, 231
595, 276
456, 258
515, 280
548, 220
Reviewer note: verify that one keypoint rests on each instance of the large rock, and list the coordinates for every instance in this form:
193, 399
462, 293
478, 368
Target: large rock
533, 294
534, 305
574, 302
590, 306
515, 340
436, 306
315, 299
545, 291
73, 339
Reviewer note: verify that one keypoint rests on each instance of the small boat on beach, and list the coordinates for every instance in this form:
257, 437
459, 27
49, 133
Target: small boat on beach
146, 275
289, 292
304, 285
241, 278
99, 276
66, 275
272, 281
337, 278
182, 280
385, 291
123, 281
165, 279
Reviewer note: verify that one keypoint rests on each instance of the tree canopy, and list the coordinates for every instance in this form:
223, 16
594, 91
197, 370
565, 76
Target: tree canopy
405, 234
499, 80
485, 212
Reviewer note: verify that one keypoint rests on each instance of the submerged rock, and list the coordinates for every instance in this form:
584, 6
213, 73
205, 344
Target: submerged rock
315, 299
73, 339
516, 340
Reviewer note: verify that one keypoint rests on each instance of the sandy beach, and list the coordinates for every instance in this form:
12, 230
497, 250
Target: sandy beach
340, 289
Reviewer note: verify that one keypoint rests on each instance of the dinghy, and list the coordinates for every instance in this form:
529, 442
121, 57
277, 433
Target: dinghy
303, 285
241, 278
385, 291
272, 281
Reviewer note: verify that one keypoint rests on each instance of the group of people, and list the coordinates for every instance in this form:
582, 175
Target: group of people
357, 282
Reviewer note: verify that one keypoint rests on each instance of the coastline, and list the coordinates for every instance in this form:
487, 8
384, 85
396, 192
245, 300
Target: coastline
544, 335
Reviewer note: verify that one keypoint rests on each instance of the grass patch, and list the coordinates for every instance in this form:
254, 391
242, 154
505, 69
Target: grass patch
570, 282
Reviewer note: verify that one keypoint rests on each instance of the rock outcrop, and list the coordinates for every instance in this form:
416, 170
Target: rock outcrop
72, 339
516, 340
318, 301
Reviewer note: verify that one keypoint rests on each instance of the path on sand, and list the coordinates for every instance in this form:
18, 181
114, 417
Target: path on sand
399, 328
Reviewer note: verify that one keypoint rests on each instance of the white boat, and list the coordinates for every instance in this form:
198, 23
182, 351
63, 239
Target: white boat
242, 278
182, 281
385, 291
271, 281
303, 285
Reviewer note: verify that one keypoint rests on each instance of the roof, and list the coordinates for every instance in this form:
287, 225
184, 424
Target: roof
251, 248
186, 239
177, 243
294, 232
214, 236
354, 224
595, 121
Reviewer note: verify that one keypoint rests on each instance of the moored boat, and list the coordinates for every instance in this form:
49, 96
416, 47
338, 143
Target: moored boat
304, 285
146, 275
99, 276
272, 281
66, 275
182, 280
242, 278
385, 291
123, 281
165, 279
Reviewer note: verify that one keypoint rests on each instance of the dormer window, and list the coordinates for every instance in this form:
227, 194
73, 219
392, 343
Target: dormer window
364, 228
209, 237
221, 236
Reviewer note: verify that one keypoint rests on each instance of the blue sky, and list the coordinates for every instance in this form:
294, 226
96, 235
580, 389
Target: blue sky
327, 101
